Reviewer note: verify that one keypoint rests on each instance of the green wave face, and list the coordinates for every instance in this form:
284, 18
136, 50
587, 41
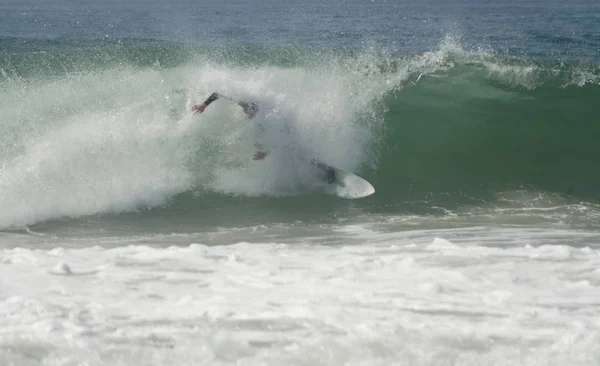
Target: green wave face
96, 128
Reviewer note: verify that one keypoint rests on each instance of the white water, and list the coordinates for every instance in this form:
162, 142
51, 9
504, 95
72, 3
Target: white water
118, 139
480, 296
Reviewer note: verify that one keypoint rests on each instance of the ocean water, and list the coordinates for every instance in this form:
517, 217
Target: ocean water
133, 232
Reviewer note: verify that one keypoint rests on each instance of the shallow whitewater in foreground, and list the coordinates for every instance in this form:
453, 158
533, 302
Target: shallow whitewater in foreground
478, 296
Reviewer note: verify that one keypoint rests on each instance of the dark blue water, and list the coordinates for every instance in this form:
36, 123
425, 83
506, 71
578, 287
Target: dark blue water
547, 29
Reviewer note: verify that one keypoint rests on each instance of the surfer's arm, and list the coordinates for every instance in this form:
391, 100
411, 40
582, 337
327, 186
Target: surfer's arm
199, 108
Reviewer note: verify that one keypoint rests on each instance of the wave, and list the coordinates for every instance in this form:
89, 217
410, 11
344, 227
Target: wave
92, 128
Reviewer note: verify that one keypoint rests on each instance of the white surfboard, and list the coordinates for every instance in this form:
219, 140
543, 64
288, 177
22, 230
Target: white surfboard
348, 185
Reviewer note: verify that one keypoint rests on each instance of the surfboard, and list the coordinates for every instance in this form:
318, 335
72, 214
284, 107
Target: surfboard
345, 184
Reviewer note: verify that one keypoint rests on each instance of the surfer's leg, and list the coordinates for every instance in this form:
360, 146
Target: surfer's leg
330, 173
259, 155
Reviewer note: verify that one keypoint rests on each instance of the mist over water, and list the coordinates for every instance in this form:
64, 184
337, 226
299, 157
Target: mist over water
122, 137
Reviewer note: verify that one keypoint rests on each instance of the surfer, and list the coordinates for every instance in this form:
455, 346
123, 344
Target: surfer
251, 109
